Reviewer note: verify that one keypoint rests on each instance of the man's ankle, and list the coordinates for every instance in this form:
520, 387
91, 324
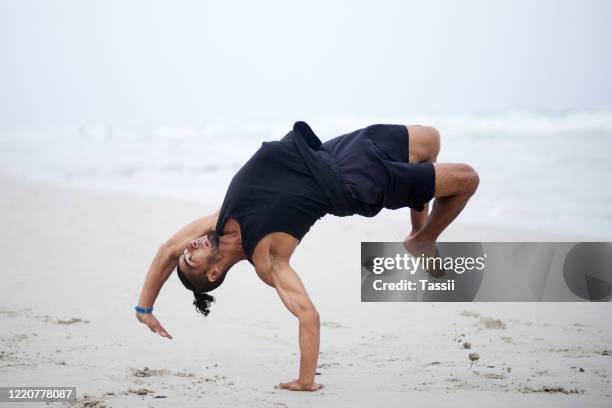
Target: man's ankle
414, 232
418, 236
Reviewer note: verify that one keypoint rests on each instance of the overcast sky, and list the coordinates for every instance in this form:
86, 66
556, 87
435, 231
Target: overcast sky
186, 63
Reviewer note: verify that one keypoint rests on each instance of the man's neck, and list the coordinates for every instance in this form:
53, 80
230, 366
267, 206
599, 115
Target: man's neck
230, 247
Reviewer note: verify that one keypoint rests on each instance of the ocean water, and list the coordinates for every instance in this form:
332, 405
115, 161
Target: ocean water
538, 171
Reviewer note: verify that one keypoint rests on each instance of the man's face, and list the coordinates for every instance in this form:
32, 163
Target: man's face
199, 256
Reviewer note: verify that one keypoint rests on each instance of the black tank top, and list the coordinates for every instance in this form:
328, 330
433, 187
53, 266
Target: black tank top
275, 191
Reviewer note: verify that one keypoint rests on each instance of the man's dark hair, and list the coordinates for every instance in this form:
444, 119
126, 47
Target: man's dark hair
202, 300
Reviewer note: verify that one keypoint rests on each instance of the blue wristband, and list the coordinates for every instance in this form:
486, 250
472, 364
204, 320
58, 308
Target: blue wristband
144, 309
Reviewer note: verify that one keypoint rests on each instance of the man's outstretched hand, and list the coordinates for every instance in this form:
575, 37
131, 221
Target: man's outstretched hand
153, 324
295, 385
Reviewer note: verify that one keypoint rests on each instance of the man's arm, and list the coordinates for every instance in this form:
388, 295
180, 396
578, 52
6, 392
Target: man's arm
165, 262
195, 229
294, 296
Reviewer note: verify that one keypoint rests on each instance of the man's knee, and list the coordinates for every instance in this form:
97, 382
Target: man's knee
467, 177
434, 143
424, 143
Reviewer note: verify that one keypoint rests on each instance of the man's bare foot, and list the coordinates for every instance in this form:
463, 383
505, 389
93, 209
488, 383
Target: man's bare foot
428, 249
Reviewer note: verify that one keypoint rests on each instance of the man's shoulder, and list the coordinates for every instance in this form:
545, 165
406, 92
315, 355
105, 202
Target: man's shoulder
274, 247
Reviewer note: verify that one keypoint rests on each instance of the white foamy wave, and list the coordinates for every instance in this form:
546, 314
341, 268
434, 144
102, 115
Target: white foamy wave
485, 125
537, 170
530, 123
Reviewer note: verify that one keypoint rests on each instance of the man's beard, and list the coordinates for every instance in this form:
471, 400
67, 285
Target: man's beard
213, 237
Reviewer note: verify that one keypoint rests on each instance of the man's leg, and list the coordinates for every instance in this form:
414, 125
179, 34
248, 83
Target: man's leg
455, 184
423, 147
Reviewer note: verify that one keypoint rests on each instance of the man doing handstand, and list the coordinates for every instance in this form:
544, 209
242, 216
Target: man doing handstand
284, 188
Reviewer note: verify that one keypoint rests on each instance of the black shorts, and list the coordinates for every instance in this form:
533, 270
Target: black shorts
373, 164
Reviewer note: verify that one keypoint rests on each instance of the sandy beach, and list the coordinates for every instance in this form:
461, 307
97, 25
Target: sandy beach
74, 261
121, 122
